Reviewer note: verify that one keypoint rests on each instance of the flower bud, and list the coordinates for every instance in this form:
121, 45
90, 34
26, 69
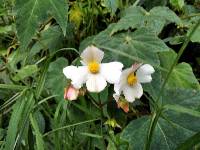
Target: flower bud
71, 93
112, 123
121, 103
124, 105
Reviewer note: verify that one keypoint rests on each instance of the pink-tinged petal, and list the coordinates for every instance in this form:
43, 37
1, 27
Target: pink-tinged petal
135, 66
92, 53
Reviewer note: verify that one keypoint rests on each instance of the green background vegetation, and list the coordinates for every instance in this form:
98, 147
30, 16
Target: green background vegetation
38, 38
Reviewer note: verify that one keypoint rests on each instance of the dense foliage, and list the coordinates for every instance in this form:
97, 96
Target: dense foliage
38, 38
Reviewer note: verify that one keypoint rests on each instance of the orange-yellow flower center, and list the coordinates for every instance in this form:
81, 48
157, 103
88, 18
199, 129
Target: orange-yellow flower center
132, 79
94, 67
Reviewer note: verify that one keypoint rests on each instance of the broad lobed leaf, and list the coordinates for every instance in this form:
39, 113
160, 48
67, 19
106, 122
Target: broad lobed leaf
30, 13
137, 17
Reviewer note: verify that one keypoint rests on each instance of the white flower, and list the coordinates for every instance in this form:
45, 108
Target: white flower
130, 81
94, 73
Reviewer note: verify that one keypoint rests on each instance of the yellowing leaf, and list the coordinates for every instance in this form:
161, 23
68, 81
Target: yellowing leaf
76, 15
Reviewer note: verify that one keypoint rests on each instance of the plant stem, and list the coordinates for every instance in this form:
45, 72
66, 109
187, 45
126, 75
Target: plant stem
12, 87
136, 2
68, 126
101, 107
157, 113
152, 126
190, 16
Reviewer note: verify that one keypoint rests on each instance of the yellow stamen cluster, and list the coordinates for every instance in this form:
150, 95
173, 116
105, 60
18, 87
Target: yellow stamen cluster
94, 67
132, 79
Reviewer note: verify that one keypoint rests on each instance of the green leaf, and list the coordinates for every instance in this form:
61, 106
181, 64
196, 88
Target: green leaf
51, 39
190, 24
56, 81
182, 76
7, 29
140, 45
39, 139
184, 97
173, 127
13, 124
111, 4
25, 72
42, 78
183, 110
19, 119
178, 4
154, 20
12, 87
190, 142
30, 13
167, 135
196, 36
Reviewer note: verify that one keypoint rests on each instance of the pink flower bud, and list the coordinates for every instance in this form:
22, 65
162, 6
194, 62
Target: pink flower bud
71, 93
123, 105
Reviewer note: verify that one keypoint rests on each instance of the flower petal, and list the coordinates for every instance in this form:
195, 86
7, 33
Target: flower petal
92, 53
78, 75
117, 88
144, 78
96, 83
144, 73
116, 97
132, 92
145, 69
123, 80
70, 71
111, 71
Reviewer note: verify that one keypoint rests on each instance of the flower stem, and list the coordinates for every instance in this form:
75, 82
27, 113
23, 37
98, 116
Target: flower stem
101, 107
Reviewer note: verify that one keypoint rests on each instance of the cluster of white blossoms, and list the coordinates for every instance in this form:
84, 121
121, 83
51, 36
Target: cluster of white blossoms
96, 75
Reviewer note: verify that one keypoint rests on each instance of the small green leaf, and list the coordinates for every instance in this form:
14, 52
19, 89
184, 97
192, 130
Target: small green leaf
178, 4
111, 5
39, 139
182, 76
25, 72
